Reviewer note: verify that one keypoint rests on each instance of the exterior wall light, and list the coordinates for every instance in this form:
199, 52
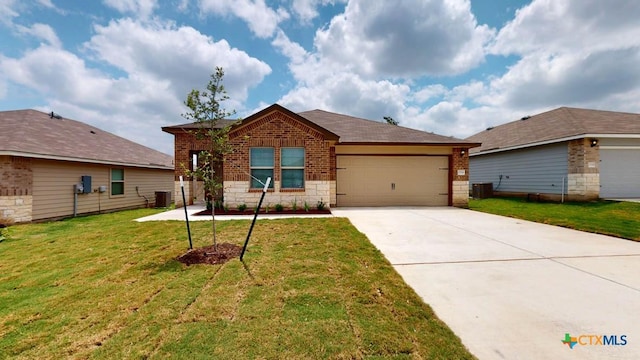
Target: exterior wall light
594, 142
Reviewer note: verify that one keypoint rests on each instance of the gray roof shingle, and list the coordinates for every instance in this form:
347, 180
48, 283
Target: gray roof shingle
33, 133
349, 129
356, 130
556, 124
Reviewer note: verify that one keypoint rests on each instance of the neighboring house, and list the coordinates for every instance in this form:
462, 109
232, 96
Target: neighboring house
318, 156
44, 158
577, 154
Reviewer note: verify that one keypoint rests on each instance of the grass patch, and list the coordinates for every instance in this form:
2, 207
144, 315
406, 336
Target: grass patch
105, 287
620, 219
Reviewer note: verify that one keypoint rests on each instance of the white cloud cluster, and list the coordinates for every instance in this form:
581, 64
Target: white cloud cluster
8, 11
375, 59
404, 39
140, 8
307, 10
367, 58
159, 62
260, 18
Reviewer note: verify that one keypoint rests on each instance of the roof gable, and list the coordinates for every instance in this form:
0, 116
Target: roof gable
557, 124
32, 133
275, 108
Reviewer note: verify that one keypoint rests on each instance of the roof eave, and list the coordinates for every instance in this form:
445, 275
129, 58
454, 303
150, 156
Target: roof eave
554, 141
407, 143
82, 160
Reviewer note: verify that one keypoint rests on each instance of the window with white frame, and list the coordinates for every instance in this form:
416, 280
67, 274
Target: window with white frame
292, 168
261, 163
117, 181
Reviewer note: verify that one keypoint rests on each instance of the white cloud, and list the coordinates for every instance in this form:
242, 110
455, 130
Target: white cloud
307, 10
563, 26
150, 93
261, 19
8, 11
429, 92
573, 53
41, 31
404, 39
144, 49
47, 3
141, 8
349, 94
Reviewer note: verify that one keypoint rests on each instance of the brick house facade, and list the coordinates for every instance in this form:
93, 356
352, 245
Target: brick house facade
277, 128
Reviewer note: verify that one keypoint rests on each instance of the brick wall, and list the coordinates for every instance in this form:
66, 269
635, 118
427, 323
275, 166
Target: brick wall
16, 187
273, 130
278, 130
16, 177
583, 182
459, 173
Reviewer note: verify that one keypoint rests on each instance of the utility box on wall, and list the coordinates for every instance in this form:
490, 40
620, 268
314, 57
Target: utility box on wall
86, 184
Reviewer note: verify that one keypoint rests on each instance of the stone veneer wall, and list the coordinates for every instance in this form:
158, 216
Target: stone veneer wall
177, 194
16, 184
238, 192
459, 177
18, 209
583, 180
460, 196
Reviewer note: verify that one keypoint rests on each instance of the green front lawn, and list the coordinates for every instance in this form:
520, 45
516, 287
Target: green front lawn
107, 287
621, 219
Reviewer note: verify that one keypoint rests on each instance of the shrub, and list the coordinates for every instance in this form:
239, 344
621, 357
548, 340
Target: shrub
294, 204
306, 206
279, 207
242, 207
321, 205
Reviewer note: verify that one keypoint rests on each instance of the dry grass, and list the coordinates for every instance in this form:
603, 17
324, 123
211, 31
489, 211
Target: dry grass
107, 287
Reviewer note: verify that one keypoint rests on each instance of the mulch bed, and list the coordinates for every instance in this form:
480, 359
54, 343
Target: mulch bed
208, 254
263, 212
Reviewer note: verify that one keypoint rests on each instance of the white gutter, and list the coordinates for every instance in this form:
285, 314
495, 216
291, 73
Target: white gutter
553, 141
83, 160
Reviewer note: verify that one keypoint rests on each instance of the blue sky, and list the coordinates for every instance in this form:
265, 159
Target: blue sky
452, 67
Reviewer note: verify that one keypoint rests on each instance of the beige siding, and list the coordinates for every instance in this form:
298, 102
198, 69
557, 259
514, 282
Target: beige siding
53, 188
393, 149
392, 180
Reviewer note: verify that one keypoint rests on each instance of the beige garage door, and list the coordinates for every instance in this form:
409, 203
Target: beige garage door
392, 180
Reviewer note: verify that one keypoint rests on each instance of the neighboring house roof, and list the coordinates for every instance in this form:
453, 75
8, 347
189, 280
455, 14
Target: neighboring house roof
557, 125
347, 129
31, 133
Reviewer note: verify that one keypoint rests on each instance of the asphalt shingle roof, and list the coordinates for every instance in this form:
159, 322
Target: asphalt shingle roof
33, 133
349, 129
356, 130
556, 124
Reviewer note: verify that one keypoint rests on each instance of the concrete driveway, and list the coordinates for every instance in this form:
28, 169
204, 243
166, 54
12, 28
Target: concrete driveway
512, 289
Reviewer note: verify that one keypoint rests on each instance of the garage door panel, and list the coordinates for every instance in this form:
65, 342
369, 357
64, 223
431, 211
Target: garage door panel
392, 181
620, 173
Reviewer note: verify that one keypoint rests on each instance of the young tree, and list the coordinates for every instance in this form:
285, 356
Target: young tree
206, 111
